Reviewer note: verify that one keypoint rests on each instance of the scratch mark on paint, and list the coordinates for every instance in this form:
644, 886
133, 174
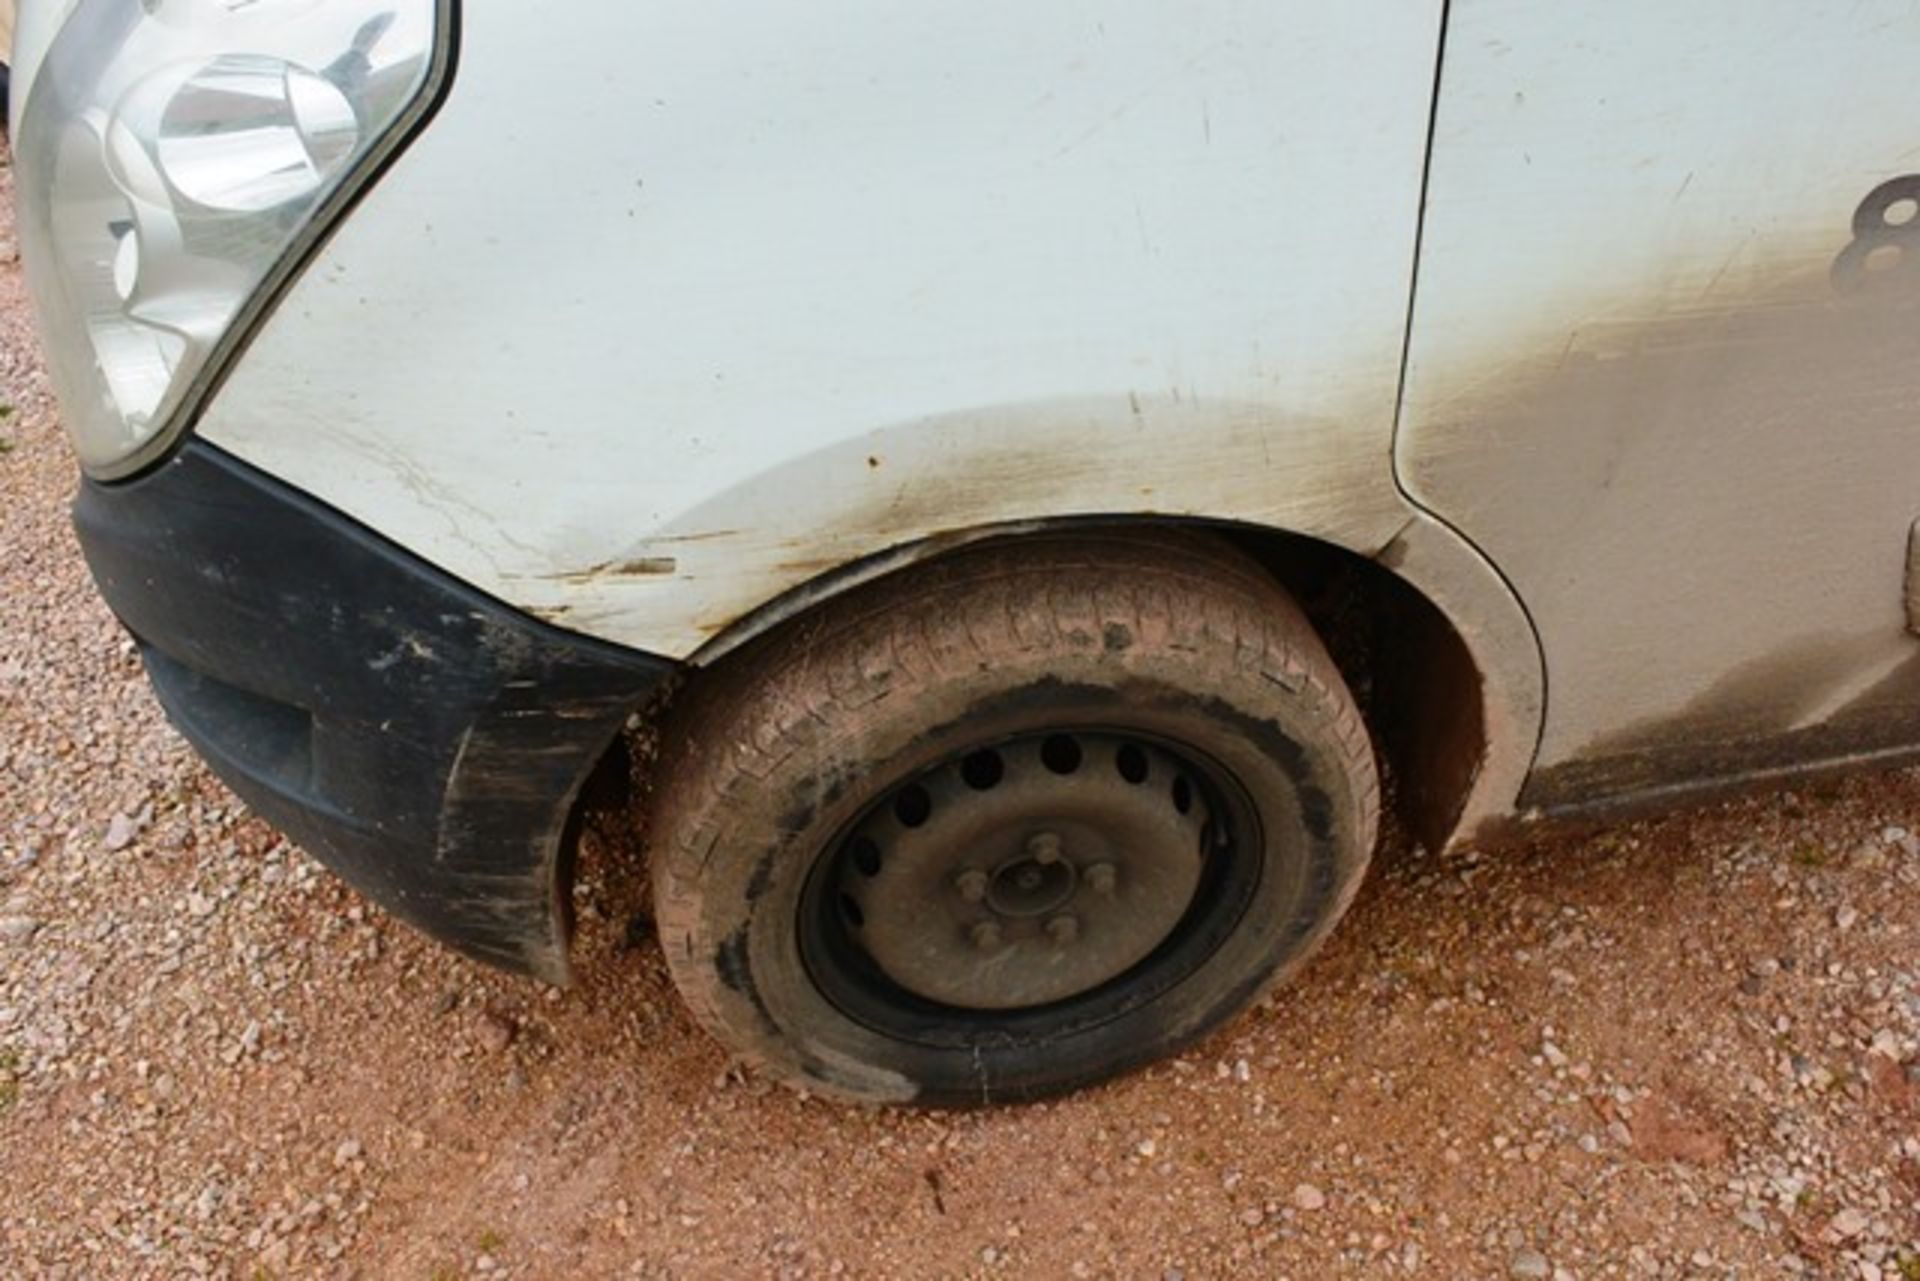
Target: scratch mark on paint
638, 567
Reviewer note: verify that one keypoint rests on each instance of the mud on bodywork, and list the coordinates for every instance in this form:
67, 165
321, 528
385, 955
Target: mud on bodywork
1750, 726
1708, 517
1661, 371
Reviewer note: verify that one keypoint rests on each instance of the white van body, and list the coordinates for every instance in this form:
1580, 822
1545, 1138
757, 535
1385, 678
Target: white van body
1595, 326
783, 292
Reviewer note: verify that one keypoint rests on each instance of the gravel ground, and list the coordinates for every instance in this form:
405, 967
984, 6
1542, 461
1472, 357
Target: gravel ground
1679, 1048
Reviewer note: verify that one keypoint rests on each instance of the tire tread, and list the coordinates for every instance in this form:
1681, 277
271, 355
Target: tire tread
779, 697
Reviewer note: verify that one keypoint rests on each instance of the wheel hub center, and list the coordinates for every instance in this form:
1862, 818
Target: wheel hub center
1028, 887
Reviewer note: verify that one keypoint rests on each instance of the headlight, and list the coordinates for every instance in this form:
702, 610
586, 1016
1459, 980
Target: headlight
174, 159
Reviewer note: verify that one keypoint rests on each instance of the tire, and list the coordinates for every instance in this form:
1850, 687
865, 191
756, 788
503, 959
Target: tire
811, 924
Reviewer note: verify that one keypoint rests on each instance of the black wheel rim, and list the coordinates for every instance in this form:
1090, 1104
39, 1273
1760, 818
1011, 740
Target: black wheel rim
1029, 887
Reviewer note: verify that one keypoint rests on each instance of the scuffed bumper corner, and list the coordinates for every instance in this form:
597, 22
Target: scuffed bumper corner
423, 740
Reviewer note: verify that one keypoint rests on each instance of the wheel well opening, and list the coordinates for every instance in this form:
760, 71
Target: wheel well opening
1410, 671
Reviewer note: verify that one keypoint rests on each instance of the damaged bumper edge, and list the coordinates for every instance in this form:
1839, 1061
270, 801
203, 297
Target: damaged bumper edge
423, 740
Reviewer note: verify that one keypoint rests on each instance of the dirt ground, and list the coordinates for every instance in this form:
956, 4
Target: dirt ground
1680, 1048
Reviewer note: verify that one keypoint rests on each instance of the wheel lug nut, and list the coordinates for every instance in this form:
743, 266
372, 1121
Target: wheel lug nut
985, 936
1063, 929
1044, 848
1100, 878
971, 884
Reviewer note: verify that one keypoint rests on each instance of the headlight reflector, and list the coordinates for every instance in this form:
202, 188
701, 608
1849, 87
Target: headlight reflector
173, 158
244, 134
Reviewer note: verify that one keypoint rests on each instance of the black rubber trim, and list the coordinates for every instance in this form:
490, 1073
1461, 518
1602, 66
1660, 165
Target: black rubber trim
422, 739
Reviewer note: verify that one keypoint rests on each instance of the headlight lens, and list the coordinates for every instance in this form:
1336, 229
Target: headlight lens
173, 158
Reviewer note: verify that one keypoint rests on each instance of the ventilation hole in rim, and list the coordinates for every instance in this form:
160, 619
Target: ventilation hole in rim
912, 806
1060, 754
983, 770
1132, 764
865, 855
1182, 794
850, 909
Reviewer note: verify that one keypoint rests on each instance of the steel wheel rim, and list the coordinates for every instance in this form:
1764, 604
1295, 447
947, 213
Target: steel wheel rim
1087, 915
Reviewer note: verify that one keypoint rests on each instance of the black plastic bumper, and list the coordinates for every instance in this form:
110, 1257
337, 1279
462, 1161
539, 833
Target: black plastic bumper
420, 738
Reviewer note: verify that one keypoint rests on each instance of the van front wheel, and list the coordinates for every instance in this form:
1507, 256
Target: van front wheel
1010, 822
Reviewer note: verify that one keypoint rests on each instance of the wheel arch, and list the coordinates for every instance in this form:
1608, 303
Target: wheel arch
1441, 654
